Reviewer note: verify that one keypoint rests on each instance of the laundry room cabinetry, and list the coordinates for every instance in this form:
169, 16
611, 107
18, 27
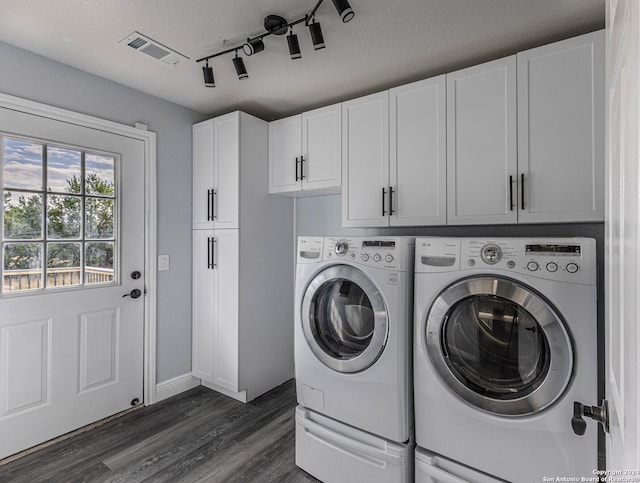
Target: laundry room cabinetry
394, 152
305, 156
546, 166
242, 333
482, 143
215, 173
561, 131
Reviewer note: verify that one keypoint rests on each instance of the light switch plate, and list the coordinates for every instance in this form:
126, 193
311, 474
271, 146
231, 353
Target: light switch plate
163, 263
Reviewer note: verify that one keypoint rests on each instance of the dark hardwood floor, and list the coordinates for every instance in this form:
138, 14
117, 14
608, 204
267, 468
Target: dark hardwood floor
199, 435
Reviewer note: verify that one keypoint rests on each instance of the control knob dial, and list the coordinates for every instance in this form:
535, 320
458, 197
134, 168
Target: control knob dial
341, 248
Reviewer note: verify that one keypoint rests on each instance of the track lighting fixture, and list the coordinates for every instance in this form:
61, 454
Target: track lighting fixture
344, 10
207, 71
253, 46
277, 25
294, 46
241, 70
316, 35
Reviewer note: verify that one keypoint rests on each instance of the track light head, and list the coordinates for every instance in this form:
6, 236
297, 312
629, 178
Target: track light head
294, 46
344, 10
207, 72
316, 35
253, 46
241, 70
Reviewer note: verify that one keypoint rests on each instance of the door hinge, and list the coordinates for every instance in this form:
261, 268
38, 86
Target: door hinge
597, 413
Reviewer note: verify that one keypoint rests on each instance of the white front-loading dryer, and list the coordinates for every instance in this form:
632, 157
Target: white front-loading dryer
353, 331
505, 344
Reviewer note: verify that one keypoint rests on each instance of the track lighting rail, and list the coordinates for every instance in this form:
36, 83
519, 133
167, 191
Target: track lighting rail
276, 25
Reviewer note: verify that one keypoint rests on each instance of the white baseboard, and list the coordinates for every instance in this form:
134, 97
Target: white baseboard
238, 396
175, 386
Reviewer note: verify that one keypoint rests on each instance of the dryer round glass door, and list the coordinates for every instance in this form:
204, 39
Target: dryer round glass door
344, 319
499, 345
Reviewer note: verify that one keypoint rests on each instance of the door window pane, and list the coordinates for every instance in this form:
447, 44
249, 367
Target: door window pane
64, 215
63, 235
98, 260
63, 264
22, 165
22, 266
22, 215
99, 218
64, 170
99, 175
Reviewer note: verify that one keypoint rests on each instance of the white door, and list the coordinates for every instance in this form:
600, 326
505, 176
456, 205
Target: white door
622, 273
481, 144
418, 153
321, 167
365, 161
71, 329
285, 148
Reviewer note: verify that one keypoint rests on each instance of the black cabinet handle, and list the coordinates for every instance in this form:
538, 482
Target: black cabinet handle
384, 193
522, 190
390, 201
510, 193
297, 164
209, 205
301, 167
211, 257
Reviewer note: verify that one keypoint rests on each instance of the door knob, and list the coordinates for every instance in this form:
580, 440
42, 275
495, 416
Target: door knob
134, 294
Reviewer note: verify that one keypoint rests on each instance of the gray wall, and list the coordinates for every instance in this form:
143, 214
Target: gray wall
33, 77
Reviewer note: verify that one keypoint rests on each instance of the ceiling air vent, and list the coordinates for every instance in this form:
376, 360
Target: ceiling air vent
153, 49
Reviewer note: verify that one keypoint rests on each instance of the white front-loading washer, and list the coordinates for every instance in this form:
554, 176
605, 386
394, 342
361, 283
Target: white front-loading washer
505, 344
353, 346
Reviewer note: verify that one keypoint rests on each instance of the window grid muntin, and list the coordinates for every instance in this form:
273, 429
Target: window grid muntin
45, 241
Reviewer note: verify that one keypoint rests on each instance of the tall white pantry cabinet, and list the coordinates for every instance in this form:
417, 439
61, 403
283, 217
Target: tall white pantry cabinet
242, 266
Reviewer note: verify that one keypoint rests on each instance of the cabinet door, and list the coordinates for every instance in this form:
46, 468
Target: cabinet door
561, 131
418, 162
285, 150
481, 144
365, 155
226, 170
226, 265
203, 330
322, 149
202, 174
215, 307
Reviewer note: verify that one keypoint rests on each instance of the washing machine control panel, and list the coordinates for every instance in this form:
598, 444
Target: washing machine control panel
373, 252
554, 259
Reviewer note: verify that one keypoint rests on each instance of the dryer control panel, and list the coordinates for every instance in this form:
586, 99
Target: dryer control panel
392, 253
562, 259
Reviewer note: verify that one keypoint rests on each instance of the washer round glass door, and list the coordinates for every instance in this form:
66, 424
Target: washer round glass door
499, 345
344, 319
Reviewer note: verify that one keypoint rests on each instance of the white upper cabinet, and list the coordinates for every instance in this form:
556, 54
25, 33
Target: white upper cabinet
203, 174
285, 150
365, 155
216, 163
482, 144
561, 131
418, 162
305, 153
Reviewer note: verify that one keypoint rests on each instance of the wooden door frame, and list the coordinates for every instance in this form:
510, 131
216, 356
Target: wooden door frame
150, 233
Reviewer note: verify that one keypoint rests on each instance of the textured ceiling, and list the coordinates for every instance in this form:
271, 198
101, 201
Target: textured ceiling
388, 43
